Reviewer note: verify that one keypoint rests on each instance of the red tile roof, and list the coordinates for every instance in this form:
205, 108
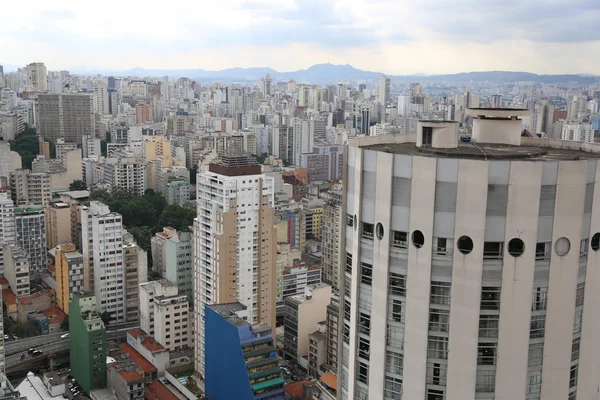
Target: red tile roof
158, 391
29, 299
51, 268
137, 332
152, 344
144, 364
3, 281
9, 297
330, 380
294, 390
130, 376
55, 315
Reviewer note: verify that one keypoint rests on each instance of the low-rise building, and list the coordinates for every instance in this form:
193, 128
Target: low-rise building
150, 349
317, 350
295, 279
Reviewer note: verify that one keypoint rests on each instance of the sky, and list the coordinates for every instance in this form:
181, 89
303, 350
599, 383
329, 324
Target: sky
389, 36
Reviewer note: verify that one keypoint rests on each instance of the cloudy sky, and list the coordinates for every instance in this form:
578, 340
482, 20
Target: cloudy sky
390, 36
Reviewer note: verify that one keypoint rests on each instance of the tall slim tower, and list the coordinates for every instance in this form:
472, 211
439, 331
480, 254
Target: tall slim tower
66, 116
7, 225
471, 269
383, 90
235, 242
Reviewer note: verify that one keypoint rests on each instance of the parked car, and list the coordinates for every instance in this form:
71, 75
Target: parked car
66, 335
31, 350
37, 352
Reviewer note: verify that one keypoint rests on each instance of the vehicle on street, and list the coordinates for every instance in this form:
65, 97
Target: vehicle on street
37, 352
66, 335
31, 350
6, 337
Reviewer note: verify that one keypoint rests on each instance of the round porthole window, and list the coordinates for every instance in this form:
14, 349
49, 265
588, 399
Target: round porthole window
418, 239
464, 244
596, 242
562, 246
516, 247
379, 231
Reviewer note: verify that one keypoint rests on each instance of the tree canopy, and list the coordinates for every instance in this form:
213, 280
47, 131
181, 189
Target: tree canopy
177, 217
78, 185
26, 144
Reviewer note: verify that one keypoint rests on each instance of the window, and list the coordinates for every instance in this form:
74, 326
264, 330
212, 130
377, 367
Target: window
433, 394
583, 249
486, 353
577, 322
439, 320
426, 136
364, 348
539, 299
393, 388
536, 354
395, 310
436, 374
349, 220
579, 296
542, 251
366, 273
437, 347
441, 248
440, 293
363, 373
395, 336
537, 326
485, 381
347, 309
573, 375
534, 382
397, 284
349, 263
488, 326
367, 231
575, 349
490, 298
399, 239
394, 362
493, 250
364, 323
346, 334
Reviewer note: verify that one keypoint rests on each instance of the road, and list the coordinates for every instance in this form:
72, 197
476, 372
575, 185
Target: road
22, 345
47, 348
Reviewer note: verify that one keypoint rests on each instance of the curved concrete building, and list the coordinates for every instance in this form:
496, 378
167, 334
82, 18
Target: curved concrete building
472, 269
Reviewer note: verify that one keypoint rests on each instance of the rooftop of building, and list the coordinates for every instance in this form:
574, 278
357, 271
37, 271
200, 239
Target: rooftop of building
54, 378
131, 376
318, 336
158, 391
32, 388
8, 297
228, 309
235, 164
31, 299
29, 209
296, 390
55, 315
144, 364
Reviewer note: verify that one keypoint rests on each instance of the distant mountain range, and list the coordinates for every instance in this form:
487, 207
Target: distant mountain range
330, 73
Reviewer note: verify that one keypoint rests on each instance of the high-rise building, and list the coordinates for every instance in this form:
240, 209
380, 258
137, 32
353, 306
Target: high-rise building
69, 273
177, 261
383, 90
7, 225
136, 272
243, 352
28, 187
66, 116
333, 324
102, 239
101, 96
90, 146
6, 165
144, 112
16, 270
542, 118
58, 223
365, 113
234, 242
37, 76
296, 278
303, 139
126, 172
31, 236
88, 342
172, 321
324, 163
578, 132
332, 239
470, 268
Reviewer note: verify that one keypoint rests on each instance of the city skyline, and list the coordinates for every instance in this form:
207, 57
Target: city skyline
391, 37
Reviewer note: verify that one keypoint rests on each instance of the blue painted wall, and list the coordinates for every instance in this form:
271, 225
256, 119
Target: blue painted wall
226, 373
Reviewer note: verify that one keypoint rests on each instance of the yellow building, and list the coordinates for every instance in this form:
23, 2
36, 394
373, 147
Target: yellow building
317, 217
69, 274
155, 146
58, 223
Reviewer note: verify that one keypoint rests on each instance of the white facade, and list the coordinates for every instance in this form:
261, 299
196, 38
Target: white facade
7, 225
470, 277
172, 321
578, 132
126, 172
101, 96
303, 139
16, 270
148, 291
103, 243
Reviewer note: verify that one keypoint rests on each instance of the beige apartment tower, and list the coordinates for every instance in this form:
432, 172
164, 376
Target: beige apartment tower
235, 246
37, 76
471, 269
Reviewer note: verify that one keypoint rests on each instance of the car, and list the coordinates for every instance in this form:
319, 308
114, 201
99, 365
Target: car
37, 352
6, 337
31, 350
66, 335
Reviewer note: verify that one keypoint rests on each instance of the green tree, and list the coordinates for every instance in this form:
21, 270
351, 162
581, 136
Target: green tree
78, 185
64, 325
137, 212
106, 317
26, 144
177, 217
158, 200
153, 275
142, 235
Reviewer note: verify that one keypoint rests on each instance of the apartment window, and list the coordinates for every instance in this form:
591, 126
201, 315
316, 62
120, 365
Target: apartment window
366, 273
364, 348
399, 239
486, 353
395, 310
534, 382
542, 251
347, 309
437, 347
395, 336
367, 231
578, 321
536, 354
346, 334
579, 295
490, 298
539, 299
537, 326
436, 374
440, 293
573, 375
349, 220
575, 349
393, 388
488, 326
349, 263
583, 249
363, 373
347, 286
439, 320
394, 362
364, 323
485, 381
397, 284
443, 247
493, 250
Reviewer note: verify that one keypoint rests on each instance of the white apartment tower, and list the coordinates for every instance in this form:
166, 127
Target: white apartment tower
235, 244
303, 139
16, 270
101, 96
102, 240
578, 132
7, 225
30, 230
383, 90
37, 76
471, 269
